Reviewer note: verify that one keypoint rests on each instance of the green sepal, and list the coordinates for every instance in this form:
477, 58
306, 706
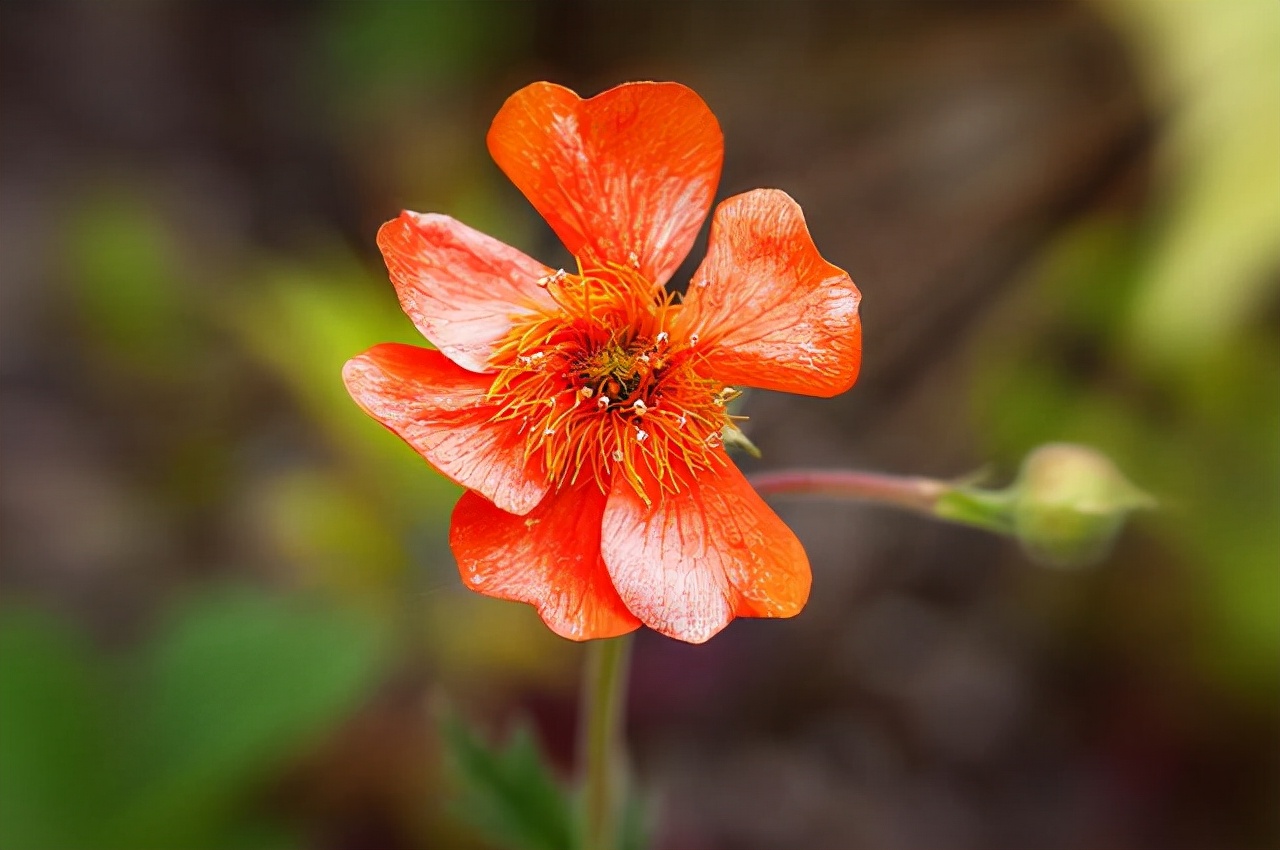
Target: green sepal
986, 509
733, 438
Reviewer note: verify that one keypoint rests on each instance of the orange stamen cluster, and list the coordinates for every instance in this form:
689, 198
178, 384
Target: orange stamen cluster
599, 387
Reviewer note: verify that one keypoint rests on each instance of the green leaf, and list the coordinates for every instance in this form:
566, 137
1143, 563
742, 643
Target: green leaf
507, 793
54, 746
235, 684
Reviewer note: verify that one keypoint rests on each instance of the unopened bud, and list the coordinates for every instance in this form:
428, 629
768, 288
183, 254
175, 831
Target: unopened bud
1069, 503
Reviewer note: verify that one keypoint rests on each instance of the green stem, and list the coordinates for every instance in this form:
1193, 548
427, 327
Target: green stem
910, 492
603, 699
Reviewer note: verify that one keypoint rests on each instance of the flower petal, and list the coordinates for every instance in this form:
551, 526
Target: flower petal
549, 559
441, 410
629, 171
696, 559
459, 286
769, 311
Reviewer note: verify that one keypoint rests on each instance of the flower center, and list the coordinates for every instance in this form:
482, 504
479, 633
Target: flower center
599, 387
619, 374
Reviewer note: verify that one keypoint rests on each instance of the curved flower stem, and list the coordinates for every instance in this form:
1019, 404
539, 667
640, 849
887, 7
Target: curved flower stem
1065, 507
913, 493
602, 748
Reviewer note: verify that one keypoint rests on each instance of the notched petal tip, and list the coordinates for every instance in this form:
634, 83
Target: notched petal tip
772, 311
629, 172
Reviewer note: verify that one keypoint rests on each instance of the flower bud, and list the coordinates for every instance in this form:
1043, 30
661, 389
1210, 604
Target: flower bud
1069, 503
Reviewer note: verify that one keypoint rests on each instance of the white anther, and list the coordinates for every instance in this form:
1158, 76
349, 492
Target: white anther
617, 455
586, 392
643, 358
693, 339
684, 417
639, 407
661, 338
641, 435
603, 401
548, 432
547, 280
634, 260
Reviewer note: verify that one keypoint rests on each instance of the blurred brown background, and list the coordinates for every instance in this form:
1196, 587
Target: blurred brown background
230, 617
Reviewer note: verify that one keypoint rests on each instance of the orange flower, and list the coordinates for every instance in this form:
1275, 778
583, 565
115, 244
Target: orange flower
583, 410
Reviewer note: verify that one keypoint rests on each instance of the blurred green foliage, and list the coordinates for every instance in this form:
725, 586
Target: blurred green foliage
169, 743
121, 261
1213, 263
1150, 339
371, 524
160, 746
378, 45
304, 319
509, 794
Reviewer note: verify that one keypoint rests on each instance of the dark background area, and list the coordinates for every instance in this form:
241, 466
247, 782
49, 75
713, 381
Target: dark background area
230, 616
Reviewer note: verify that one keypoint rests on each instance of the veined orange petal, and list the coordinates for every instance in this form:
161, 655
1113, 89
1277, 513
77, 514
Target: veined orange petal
693, 560
458, 286
549, 559
625, 177
441, 411
768, 309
